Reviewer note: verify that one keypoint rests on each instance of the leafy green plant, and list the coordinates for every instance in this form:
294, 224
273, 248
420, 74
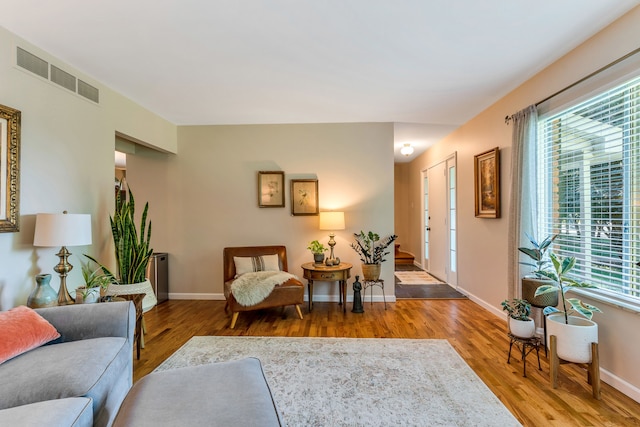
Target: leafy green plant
94, 278
537, 253
316, 247
517, 309
561, 280
370, 247
131, 245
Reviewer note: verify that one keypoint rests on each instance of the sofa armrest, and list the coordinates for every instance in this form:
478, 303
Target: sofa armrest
83, 321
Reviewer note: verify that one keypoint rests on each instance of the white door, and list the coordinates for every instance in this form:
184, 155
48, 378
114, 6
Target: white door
436, 220
439, 220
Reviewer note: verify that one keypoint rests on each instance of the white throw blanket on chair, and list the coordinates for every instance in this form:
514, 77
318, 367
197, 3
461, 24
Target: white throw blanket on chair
253, 288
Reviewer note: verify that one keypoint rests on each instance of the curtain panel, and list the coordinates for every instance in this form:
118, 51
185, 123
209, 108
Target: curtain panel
523, 201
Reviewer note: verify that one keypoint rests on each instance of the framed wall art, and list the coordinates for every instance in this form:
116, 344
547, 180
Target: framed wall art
487, 184
271, 189
9, 169
304, 197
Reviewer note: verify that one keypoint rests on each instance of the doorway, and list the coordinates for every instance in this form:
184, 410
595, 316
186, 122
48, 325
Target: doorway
439, 220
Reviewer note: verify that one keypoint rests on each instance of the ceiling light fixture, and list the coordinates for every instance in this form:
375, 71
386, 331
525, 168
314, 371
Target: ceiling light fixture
407, 150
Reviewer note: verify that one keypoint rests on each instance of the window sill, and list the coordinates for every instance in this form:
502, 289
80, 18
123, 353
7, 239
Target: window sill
627, 304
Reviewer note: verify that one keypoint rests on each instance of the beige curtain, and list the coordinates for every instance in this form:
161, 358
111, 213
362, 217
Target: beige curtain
522, 204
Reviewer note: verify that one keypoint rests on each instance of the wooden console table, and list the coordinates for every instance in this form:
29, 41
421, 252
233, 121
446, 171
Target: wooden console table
322, 273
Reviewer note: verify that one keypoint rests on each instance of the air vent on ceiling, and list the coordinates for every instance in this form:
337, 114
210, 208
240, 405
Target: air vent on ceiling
88, 91
63, 78
30, 62
38, 66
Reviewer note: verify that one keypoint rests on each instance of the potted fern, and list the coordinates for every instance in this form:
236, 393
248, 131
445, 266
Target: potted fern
371, 249
574, 334
132, 250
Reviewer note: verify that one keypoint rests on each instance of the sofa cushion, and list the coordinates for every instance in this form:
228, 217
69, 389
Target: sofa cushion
71, 412
256, 263
21, 330
92, 367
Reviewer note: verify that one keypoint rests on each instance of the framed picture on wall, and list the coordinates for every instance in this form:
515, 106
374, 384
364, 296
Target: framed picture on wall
9, 169
271, 189
487, 184
304, 197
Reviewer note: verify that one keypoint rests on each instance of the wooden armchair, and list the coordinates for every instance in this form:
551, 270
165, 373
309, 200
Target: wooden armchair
289, 293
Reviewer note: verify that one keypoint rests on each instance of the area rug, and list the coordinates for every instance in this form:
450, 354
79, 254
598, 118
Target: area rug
437, 291
359, 382
416, 278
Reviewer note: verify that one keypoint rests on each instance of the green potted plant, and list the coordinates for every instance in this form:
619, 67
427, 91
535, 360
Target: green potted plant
132, 250
574, 334
317, 249
95, 281
519, 322
371, 249
540, 262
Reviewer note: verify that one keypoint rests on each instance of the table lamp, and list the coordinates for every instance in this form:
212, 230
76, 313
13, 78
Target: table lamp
63, 230
332, 221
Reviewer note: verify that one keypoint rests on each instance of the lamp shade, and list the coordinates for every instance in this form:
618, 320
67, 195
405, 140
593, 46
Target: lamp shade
53, 230
331, 221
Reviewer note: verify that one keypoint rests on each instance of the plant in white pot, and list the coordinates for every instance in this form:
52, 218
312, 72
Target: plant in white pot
520, 324
532, 281
574, 334
95, 281
371, 249
132, 251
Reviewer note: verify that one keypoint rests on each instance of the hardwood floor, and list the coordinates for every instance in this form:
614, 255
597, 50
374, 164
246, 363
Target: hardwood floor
476, 334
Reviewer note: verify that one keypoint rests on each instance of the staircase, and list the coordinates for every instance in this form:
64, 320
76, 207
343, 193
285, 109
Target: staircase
403, 257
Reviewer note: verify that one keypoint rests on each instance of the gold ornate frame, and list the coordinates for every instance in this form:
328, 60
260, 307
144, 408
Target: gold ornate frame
487, 184
9, 169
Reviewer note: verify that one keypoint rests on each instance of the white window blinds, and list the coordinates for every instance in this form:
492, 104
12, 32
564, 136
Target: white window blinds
589, 187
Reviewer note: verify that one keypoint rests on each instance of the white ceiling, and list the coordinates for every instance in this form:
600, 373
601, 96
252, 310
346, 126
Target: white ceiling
428, 65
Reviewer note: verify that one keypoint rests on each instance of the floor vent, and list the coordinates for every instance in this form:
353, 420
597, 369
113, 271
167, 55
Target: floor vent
63, 78
32, 63
88, 91
40, 67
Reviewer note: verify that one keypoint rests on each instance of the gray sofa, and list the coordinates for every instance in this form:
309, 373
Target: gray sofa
79, 379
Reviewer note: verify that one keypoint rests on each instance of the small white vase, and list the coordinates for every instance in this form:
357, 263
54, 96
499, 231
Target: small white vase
573, 340
87, 296
522, 328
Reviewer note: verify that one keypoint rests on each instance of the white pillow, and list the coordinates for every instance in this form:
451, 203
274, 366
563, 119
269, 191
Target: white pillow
256, 263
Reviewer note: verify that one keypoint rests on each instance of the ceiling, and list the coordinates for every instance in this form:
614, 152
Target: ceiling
426, 65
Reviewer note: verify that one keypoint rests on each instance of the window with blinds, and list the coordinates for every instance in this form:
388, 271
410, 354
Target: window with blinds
589, 187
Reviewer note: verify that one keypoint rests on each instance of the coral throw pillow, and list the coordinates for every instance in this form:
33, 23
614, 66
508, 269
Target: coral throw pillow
22, 329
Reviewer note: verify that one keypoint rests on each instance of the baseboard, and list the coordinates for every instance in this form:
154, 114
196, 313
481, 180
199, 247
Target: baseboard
316, 298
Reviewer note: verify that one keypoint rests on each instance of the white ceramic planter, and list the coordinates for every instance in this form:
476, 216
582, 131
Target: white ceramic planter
87, 296
522, 328
149, 300
574, 340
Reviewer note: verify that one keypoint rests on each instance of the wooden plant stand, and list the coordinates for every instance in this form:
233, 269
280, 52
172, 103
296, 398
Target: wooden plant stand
593, 368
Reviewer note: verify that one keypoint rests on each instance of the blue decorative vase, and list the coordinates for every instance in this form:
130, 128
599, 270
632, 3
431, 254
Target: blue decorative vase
43, 295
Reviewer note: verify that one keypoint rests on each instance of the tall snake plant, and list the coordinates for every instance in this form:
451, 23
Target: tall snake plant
132, 249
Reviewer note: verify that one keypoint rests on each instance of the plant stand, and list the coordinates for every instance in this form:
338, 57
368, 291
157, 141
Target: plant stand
526, 346
369, 283
593, 368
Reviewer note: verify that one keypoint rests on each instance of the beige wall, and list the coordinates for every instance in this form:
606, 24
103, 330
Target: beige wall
66, 163
205, 197
482, 243
401, 196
